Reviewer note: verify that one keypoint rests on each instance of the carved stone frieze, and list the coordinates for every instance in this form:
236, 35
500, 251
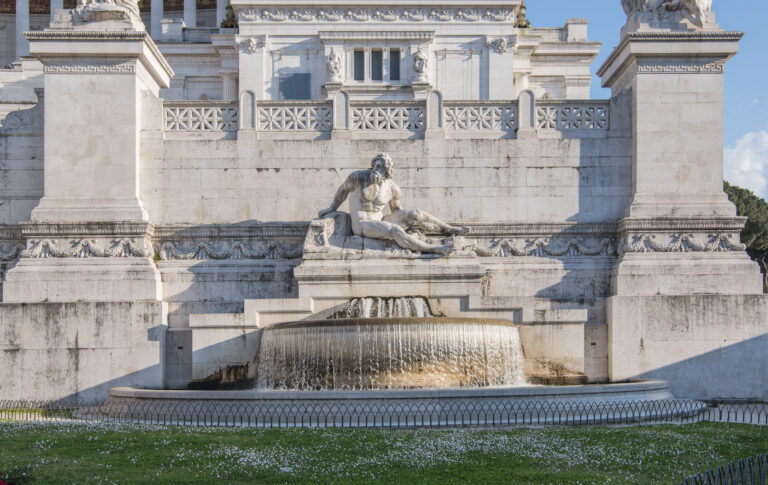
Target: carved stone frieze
229, 249
85, 248
377, 14
671, 67
680, 243
546, 246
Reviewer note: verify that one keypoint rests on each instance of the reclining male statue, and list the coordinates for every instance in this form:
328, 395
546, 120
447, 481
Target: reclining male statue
370, 192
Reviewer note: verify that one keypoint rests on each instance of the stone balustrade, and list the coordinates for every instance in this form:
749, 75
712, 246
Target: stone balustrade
572, 115
388, 116
200, 116
480, 115
295, 116
470, 118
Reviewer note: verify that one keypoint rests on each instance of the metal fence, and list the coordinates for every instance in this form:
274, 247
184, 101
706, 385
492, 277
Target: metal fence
380, 413
750, 471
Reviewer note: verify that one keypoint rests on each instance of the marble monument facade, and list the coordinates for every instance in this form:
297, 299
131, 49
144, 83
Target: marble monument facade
160, 195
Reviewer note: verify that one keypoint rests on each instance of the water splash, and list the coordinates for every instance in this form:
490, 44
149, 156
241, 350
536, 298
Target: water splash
404, 353
376, 307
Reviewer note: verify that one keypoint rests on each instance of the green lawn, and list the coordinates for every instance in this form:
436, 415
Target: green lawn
108, 453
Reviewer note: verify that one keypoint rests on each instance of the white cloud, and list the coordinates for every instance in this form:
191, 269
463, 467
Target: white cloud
746, 163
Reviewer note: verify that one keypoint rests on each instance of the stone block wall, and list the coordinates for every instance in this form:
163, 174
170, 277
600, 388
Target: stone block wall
706, 346
484, 181
78, 350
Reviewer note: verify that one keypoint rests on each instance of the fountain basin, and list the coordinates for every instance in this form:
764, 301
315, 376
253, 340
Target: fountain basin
390, 353
595, 403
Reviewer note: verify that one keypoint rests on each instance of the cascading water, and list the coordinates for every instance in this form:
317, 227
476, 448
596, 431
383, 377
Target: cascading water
376, 307
390, 343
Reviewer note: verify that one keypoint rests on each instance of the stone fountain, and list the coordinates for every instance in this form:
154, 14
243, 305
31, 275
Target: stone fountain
383, 343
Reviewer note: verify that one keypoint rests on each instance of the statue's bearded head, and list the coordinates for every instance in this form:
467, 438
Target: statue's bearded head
382, 168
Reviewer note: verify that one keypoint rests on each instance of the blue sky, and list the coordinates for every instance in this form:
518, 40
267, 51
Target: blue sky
746, 98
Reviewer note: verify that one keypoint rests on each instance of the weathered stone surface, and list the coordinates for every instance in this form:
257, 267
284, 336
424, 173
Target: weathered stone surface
706, 346
77, 351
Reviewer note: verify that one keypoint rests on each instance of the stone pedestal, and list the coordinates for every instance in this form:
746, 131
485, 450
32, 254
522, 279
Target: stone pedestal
89, 238
679, 303
674, 81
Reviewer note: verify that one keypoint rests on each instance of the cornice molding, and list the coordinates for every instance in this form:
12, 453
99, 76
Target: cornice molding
703, 224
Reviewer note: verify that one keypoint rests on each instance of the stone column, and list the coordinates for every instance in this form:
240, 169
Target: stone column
56, 5
190, 13
229, 85
221, 6
156, 16
22, 25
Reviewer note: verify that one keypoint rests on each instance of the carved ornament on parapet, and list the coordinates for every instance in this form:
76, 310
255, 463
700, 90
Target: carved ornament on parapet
251, 45
499, 45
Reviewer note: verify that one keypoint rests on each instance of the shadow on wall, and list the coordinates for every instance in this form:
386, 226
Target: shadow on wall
213, 269
735, 371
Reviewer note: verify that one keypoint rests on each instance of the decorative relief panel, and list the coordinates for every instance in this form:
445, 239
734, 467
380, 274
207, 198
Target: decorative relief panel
251, 45
201, 118
500, 45
85, 248
295, 118
229, 249
555, 246
572, 116
679, 243
377, 117
377, 14
128, 67
469, 117
662, 67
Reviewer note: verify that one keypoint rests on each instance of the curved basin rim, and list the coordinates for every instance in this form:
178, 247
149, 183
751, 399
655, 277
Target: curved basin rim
362, 322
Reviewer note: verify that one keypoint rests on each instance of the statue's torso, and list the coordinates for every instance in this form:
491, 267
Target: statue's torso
368, 202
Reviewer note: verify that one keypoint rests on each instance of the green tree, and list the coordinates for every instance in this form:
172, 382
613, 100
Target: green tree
755, 233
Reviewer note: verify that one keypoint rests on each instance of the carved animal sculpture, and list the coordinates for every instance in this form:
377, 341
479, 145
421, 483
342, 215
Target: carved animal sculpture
634, 5
696, 8
130, 6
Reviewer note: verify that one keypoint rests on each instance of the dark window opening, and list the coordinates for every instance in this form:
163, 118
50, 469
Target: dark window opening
394, 65
377, 65
296, 86
359, 65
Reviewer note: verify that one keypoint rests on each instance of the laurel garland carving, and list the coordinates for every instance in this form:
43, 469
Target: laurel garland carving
85, 248
679, 243
548, 247
177, 250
